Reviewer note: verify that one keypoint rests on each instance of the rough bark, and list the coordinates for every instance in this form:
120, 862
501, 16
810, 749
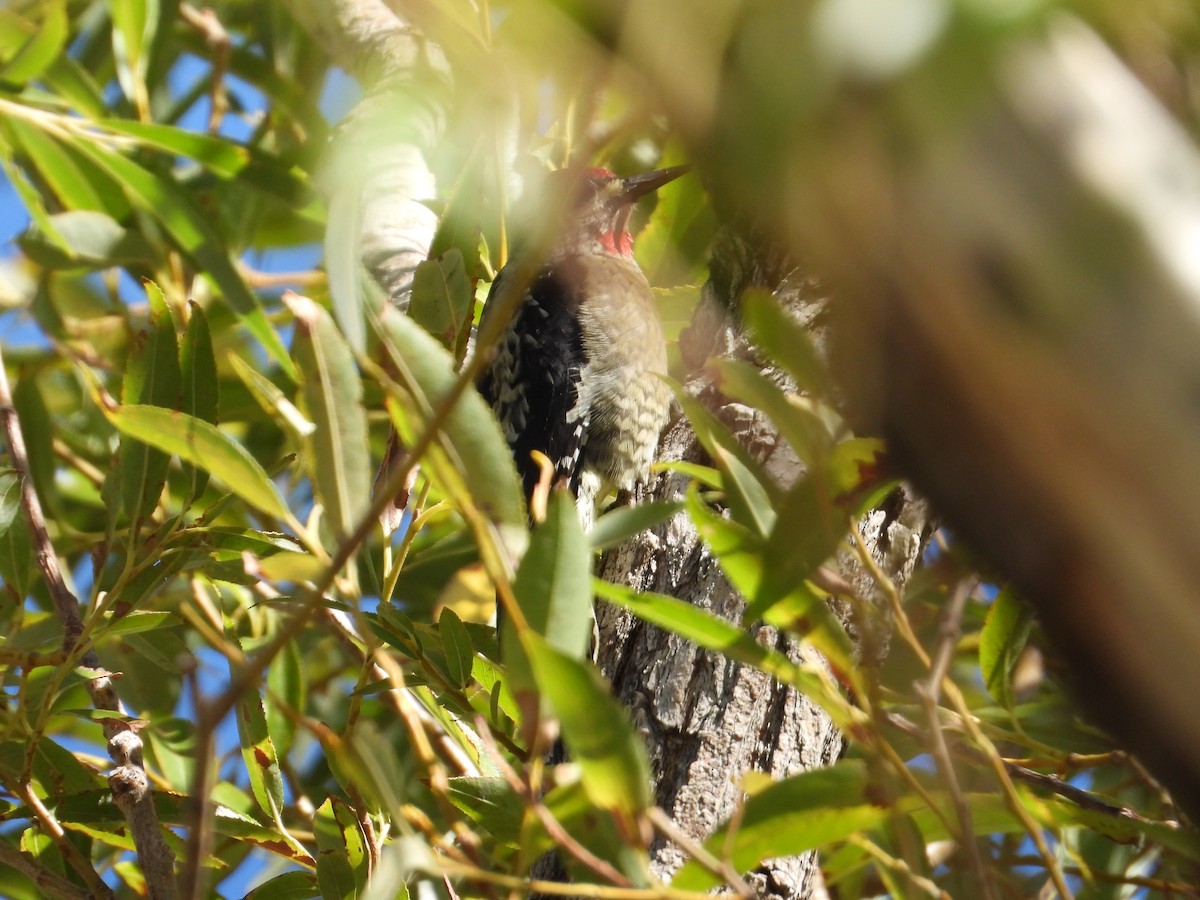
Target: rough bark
706, 720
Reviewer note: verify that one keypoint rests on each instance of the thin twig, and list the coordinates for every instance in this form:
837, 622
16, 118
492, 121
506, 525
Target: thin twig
49, 884
553, 827
719, 867
206, 22
929, 690
899, 866
69, 851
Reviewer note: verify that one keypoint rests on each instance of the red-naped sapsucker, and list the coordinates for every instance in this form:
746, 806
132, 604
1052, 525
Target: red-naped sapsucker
577, 373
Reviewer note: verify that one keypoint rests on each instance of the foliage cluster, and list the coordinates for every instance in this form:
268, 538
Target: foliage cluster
323, 708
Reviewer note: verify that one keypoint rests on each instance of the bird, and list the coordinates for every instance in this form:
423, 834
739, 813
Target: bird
577, 374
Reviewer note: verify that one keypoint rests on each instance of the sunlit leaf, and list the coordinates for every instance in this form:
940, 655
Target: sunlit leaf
152, 378
597, 730
201, 444
337, 458
1005, 633
41, 47
341, 852
480, 452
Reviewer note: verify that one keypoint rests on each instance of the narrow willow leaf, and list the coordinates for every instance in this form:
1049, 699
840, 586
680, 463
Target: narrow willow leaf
287, 691
479, 450
36, 425
554, 581
553, 587
809, 527
786, 341
1001, 642
78, 183
30, 197
258, 750
288, 886
134, 23
789, 817
442, 298
624, 522
747, 485
16, 544
41, 48
201, 390
152, 378
337, 457
97, 808
456, 642
343, 266
737, 550
195, 235
596, 728
809, 435
492, 805
341, 851
735, 643
201, 444
85, 238
272, 400
252, 167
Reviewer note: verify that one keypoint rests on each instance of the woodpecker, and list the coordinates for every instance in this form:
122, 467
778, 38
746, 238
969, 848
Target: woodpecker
576, 374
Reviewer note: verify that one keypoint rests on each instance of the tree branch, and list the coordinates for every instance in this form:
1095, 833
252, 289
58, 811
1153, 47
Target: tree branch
128, 781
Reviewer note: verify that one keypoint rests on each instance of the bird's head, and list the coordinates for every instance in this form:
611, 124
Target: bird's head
597, 218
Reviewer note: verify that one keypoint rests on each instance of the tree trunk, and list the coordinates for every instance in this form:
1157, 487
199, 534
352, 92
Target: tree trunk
707, 721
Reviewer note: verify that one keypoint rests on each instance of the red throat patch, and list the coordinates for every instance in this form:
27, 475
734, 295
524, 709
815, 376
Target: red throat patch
617, 244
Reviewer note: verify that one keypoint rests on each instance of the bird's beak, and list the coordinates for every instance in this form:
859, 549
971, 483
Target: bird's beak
638, 186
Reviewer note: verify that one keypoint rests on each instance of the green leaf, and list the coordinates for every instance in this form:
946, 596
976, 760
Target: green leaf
195, 235
456, 642
492, 805
201, 389
624, 522
201, 444
337, 458
472, 438
341, 851
77, 182
442, 298
84, 238
735, 643
1002, 641
809, 527
250, 166
343, 266
596, 728
737, 550
799, 420
41, 48
151, 378
554, 581
272, 400
287, 688
36, 426
789, 817
786, 341
137, 621
288, 886
134, 23
747, 485
258, 750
